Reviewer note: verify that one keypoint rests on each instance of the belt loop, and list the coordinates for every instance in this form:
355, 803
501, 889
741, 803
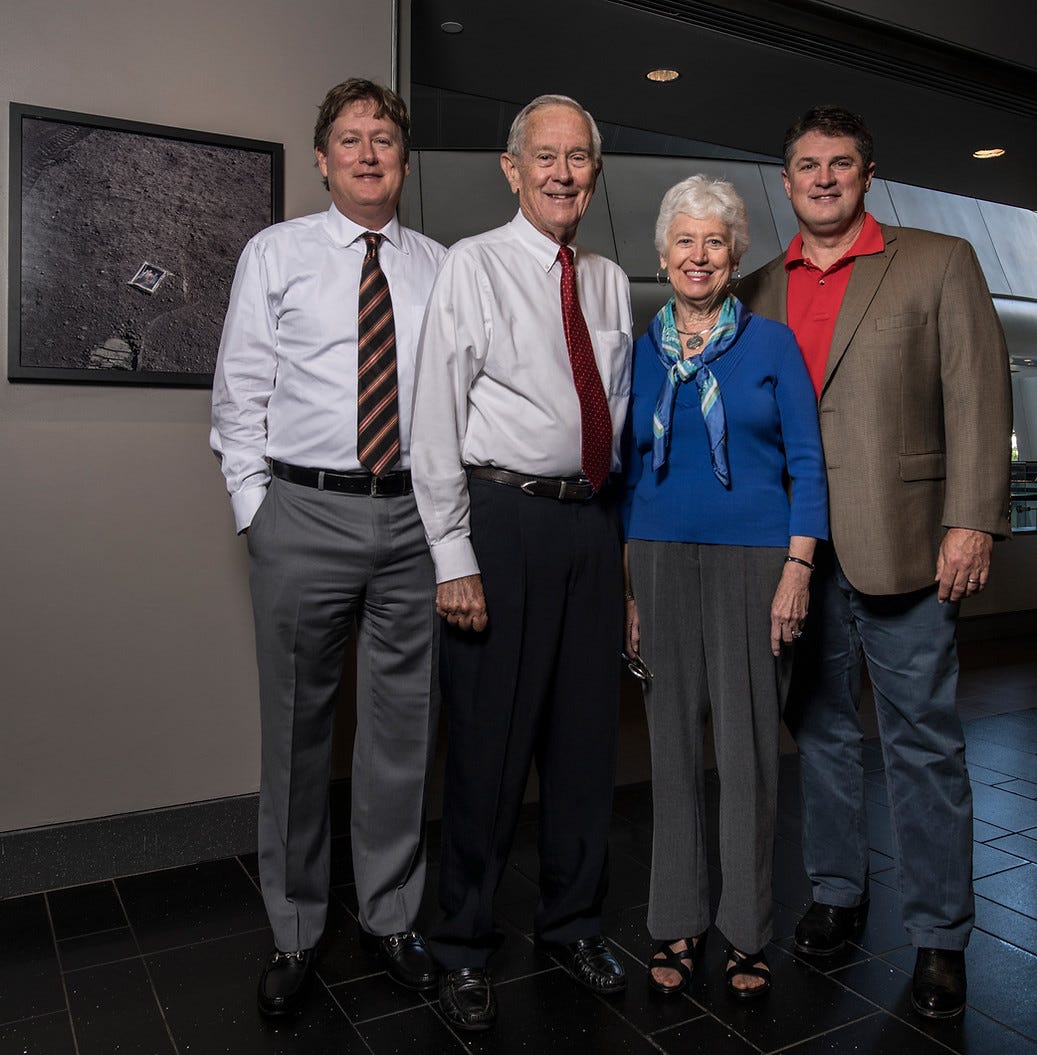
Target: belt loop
320, 479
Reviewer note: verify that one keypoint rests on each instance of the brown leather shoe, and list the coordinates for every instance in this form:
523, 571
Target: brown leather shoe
938, 984
825, 929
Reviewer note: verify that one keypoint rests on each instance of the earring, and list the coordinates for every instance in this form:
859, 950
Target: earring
662, 276
736, 276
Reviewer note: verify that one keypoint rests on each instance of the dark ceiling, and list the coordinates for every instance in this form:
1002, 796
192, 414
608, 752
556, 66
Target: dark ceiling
935, 79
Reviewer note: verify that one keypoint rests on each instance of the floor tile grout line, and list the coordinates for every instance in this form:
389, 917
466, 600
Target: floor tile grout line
61, 976
87, 934
147, 970
705, 1012
342, 1011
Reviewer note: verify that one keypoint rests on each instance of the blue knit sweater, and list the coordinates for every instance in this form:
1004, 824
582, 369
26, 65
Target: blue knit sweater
773, 442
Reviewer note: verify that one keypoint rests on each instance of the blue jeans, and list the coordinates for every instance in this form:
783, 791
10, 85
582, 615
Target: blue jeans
908, 641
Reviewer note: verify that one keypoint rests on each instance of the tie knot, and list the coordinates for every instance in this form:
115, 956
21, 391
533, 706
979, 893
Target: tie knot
373, 242
565, 256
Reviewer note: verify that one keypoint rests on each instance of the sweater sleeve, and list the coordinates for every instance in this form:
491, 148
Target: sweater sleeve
801, 436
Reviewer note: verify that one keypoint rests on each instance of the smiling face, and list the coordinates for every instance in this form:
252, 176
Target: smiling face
364, 164
826, 181
555, 171
699, 260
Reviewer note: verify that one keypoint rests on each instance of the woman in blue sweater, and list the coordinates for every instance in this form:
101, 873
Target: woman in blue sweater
725, 498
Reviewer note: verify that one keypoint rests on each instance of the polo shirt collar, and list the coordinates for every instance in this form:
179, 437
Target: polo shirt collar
867, 243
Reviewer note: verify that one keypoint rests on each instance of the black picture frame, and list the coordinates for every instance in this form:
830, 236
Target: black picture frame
124, 238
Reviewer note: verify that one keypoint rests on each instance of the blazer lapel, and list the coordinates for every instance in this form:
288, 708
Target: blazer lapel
868, 273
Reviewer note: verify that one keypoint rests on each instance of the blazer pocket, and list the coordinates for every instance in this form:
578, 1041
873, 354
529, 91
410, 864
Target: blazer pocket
900, 322
928, 466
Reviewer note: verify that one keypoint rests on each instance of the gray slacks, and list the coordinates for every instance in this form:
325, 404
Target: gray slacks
319, 561
705, 634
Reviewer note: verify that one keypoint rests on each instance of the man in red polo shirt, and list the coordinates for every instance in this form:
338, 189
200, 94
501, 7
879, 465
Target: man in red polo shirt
909, 363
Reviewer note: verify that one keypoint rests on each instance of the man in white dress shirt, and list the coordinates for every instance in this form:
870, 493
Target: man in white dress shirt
334, 537
518, 413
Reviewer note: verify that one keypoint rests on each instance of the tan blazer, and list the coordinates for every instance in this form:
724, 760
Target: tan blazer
916, 407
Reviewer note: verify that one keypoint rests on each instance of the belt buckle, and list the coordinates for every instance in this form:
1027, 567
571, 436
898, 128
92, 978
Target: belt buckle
563, 487
375, 481
320, 479
529, 487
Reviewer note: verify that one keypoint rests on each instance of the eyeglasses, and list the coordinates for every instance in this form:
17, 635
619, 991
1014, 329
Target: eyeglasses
637, 666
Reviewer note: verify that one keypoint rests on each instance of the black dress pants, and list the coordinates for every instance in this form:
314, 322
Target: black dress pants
541, 683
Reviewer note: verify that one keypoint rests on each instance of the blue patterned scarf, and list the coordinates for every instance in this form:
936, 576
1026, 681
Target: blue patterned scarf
733, 319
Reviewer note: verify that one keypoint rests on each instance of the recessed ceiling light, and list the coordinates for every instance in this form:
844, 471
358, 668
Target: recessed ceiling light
990, 152
662, 75
451, 27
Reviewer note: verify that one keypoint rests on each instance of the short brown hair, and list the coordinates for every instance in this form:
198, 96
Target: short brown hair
356, 89
831, 121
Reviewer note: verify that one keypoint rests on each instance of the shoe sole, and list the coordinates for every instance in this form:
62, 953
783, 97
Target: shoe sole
928, 1013
807, 950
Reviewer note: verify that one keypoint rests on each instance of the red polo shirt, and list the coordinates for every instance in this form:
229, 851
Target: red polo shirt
815, 296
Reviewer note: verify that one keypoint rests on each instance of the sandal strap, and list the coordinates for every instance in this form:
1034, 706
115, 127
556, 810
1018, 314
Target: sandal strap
751, 963
665, 956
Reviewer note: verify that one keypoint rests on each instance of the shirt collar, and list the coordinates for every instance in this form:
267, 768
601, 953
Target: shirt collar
867, 243
544, 249
345, 231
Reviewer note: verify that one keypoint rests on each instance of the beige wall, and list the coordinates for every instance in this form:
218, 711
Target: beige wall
126, 668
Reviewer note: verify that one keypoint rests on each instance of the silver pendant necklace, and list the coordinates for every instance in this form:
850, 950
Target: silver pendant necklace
696, 338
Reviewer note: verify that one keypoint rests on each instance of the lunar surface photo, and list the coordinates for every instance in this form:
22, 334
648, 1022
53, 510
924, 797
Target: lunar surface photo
128, 247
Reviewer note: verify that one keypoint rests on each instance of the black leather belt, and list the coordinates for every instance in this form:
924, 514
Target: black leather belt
388, 486
563, 489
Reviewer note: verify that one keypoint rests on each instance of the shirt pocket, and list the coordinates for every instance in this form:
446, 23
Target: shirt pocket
612, 354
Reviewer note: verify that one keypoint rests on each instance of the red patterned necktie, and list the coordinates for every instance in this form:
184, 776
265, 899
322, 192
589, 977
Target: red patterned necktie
377, 411
595, 421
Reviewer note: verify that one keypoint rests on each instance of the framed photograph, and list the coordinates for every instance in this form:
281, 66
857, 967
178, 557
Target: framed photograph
124, 238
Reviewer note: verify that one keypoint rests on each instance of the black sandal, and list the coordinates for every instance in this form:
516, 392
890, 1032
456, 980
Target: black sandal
667, 957
754, 964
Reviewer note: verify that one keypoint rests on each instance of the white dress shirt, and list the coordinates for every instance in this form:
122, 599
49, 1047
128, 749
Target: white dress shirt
285, 382
495, 387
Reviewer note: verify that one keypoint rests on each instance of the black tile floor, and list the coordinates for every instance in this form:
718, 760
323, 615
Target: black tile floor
167, 962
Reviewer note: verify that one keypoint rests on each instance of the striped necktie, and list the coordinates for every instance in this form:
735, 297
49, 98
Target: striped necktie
595, 421
377, 411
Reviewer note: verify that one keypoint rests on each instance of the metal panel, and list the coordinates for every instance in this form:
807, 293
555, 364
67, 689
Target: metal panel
646, 298
464, 192
636, 186
1014, 233
934, 210
878, 203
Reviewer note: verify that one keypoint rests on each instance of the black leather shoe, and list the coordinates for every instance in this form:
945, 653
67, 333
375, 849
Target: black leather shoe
466, 998
405, 956
591, 962
938, 985
825, 929
282, 984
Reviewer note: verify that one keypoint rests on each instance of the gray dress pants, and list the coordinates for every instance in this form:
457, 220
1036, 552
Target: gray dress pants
705, 635
320, 561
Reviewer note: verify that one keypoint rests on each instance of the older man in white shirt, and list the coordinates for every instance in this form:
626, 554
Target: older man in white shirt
311, 423
522, 388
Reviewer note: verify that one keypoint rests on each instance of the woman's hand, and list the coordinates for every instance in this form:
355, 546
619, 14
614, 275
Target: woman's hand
789, 607
633, 628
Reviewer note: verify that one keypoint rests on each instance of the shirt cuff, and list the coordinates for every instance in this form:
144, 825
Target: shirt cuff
454, 559
245, 504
